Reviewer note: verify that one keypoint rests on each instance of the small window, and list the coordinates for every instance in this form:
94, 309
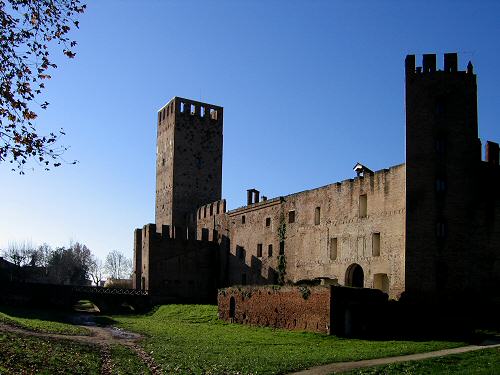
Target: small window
182, 107
213, 114
291, 216
202, 111
243, 219
270, 250
193, 109
440, 146
317, 215
259, 250
440, 230
363, 205
440, 185
333, 248
376, 244
268, 221
282, 248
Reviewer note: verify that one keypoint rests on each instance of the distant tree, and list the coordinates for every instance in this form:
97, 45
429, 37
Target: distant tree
96, 270
27, 29
19, 252
70, 265
117, 265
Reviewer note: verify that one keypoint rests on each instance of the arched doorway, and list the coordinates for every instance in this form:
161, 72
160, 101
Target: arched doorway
232, 308
355, 276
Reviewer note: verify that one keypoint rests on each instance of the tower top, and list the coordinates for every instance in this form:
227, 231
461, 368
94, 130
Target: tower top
450, 64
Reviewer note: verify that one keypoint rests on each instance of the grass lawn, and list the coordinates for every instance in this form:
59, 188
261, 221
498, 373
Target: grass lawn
126, 362
21, 354
190, 339
40, 320
481, 362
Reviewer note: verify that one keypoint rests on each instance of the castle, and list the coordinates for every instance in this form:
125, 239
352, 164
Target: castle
429, 227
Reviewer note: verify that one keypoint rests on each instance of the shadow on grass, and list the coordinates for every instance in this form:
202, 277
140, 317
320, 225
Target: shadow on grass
52, 315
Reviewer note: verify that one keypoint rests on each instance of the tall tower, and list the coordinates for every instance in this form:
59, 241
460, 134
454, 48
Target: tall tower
442, 160
188, 160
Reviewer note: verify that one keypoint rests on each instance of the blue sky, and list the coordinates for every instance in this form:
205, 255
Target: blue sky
308, 89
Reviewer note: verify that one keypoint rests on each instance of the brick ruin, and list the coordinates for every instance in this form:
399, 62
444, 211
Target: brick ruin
428, 228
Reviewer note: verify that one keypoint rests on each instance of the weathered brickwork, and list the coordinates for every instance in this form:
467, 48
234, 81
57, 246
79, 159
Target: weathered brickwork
188, 160
429, 227
305, 309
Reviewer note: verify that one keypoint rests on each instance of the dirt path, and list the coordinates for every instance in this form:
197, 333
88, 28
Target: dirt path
346, 366
103, 337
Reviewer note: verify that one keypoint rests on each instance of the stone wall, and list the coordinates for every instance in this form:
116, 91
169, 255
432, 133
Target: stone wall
309, 248
295, 308
176, 268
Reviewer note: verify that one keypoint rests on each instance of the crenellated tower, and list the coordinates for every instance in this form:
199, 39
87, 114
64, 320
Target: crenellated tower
443, 155
188, 160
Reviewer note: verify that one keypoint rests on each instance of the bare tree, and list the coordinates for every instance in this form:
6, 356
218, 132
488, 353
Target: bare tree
117, 265
96, 270
20, 253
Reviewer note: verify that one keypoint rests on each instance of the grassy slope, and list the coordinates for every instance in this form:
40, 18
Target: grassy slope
482, 362
184, 338
25, 354
40, 320
126, 362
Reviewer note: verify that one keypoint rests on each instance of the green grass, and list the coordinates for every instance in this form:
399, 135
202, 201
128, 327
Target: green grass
126, 362
22, 354
190, 339
40, 320
481, 362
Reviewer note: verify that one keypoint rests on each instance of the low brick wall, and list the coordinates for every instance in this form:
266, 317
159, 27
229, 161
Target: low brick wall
296, 308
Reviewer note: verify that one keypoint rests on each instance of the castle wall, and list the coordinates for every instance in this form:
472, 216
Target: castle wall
296, 308
308, 246
177, 268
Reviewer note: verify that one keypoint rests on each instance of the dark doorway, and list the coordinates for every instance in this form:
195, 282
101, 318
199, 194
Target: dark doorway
354, 276
232, 308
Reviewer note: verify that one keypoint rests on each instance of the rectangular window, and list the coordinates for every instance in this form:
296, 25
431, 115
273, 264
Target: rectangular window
243, 219
363, 205
440, 230
259, 250
270, 250
376, 244
333, 248
317, 215
193, 109
291, 216
268, 221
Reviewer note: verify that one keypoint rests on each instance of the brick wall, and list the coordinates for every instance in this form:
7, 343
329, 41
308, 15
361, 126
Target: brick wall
295, 308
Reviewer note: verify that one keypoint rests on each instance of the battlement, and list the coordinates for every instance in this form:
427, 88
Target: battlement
211, 209
150, 234
182, 106
450, 65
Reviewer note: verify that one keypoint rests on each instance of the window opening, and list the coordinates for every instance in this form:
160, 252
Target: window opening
376, 244
317, 215
363, 205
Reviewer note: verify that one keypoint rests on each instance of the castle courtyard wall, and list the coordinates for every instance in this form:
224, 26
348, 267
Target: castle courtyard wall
308, 245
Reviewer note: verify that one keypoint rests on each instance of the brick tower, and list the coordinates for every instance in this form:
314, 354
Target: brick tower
188, 160
443, 156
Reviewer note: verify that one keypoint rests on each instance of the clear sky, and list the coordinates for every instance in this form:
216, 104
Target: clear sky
308, 89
